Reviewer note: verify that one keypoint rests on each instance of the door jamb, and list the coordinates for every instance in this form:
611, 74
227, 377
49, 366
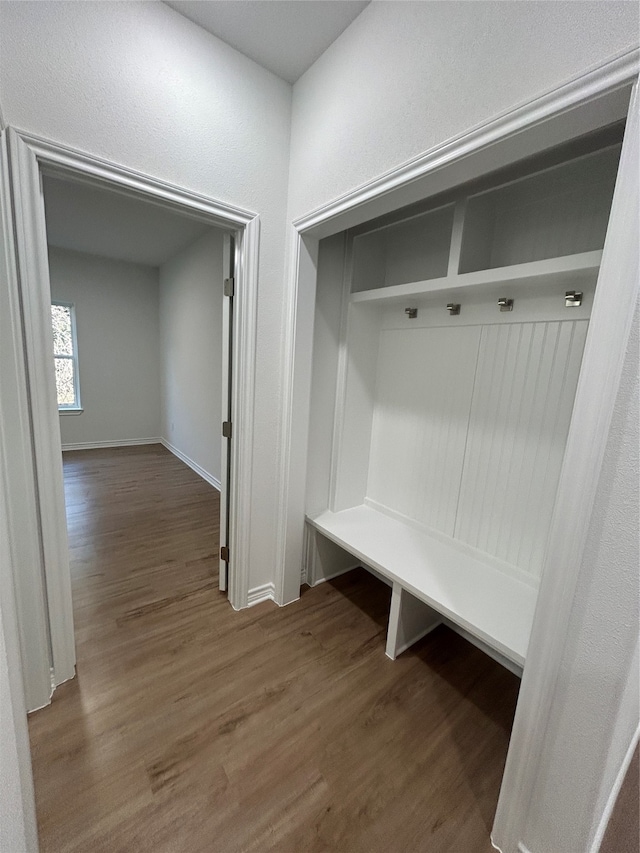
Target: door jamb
29, 157
228, 266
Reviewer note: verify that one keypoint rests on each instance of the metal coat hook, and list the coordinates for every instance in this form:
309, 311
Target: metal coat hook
411, 313
453, 308
505, 304
573, 298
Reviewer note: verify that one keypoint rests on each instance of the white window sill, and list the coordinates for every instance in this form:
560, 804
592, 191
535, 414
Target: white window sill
70, 411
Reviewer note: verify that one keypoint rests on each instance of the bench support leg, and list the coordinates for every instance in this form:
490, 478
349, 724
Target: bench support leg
409, 620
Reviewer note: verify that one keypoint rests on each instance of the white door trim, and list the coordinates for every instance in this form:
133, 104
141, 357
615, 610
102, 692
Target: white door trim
569, 111
228, 266
16, 459
29, 157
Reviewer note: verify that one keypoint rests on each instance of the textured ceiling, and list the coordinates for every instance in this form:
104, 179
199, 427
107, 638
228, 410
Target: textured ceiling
284, 36
100, 222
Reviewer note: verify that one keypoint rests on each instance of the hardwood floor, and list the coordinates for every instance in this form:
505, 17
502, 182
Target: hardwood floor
191, 727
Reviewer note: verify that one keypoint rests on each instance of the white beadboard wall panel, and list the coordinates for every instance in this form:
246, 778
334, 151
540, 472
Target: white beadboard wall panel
543, 484
423, 401
522, 402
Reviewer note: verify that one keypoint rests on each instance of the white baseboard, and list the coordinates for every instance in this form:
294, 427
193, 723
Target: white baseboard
213, 481
266, 592
96, 445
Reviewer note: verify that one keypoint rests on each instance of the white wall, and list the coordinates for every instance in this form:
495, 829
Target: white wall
139, 84
405, 77
191, 352
117, 321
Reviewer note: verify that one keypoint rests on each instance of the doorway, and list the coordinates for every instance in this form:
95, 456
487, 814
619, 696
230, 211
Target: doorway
137, 316
44, 598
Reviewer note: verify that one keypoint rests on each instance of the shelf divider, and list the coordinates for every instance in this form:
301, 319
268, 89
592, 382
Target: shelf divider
455, 247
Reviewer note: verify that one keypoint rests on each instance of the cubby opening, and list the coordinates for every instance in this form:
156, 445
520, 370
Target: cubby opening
413, 250
560, 211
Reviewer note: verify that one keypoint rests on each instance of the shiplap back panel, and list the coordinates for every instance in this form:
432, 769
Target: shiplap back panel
522, 401
420, 421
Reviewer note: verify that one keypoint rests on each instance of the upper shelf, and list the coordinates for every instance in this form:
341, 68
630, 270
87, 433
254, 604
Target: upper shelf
559, 211
546, 226
563, 271
418, 247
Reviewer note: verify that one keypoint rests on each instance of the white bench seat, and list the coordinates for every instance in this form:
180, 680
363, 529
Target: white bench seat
465, 588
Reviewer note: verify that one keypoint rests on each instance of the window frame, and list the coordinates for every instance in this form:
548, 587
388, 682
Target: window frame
77, 407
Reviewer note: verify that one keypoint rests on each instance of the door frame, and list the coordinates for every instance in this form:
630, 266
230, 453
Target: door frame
596, 98
40, 531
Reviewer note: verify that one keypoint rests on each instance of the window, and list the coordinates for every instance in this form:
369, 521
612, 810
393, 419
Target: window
65, 355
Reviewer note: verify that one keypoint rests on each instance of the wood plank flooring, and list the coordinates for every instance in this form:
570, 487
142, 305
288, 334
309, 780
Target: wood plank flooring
191, 728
